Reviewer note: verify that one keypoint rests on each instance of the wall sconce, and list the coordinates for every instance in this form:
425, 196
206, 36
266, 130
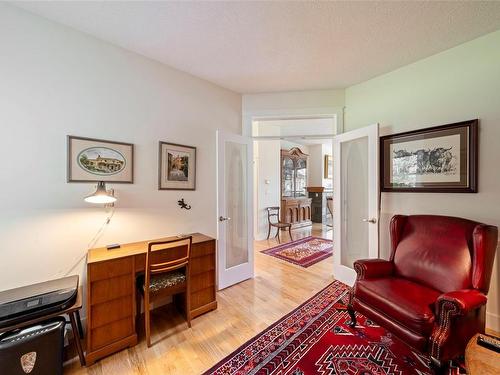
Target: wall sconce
101, 195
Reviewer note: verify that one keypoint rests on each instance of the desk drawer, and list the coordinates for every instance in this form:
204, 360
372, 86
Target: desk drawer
112, 311
110, 269
202, 297
202, 281
203, 248
109, 289
202, 264
110, 333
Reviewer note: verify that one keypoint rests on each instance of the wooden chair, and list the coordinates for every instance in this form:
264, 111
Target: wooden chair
275, 212
167, 273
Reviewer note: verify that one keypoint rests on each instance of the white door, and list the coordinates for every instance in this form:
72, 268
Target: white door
356, 199
235, 210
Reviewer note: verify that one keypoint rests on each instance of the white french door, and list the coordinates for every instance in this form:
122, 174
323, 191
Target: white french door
235, 209
356, 199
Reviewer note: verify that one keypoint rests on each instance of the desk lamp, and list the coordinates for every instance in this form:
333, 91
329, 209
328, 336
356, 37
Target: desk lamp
101, 195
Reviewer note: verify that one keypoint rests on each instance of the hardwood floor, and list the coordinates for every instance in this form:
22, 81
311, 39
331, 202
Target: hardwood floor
243, 311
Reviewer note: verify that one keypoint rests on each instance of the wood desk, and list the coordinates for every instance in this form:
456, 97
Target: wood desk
111, 292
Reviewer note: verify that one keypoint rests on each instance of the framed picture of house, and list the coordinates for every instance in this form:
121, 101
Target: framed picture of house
176, 167
91, 160
441, 159
328, 167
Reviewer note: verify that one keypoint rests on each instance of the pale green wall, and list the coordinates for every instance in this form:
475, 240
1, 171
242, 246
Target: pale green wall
459, 84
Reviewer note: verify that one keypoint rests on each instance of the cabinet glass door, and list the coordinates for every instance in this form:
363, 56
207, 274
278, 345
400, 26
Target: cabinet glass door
288, 171
300, 178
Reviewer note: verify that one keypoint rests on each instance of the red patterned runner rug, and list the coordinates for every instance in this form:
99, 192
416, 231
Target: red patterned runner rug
304, 252
315, 338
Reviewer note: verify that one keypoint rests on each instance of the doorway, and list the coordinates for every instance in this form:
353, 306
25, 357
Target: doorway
293, 173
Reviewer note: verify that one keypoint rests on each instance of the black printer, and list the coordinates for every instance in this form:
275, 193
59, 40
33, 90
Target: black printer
28, 302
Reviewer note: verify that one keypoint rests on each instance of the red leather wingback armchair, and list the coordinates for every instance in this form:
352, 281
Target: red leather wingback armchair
431, 293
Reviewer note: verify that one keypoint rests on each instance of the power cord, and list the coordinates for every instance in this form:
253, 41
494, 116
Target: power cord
93, 241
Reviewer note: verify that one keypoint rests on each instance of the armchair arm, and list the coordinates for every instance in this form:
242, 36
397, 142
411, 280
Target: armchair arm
372, 268
463, 301
451, 306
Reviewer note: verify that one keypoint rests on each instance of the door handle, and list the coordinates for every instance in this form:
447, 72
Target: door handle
372, 220
222, 218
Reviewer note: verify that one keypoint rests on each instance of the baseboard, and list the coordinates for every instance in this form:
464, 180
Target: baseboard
493, 321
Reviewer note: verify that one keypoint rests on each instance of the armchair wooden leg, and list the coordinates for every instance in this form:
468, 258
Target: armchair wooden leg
290, 232
278, 234
352, 315
268, 230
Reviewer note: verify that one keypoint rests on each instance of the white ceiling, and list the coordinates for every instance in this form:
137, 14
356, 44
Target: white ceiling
253, 47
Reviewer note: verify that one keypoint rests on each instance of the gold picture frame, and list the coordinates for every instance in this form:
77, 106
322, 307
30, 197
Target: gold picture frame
328, 167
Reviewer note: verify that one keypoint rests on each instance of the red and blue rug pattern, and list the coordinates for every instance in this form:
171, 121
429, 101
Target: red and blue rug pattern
304, 252
316, 338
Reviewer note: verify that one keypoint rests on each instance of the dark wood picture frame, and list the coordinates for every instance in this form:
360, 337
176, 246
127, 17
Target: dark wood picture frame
69, 171
468, 131
160, 164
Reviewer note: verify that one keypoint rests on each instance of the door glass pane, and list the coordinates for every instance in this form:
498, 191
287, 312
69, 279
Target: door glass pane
354, 172
236, 203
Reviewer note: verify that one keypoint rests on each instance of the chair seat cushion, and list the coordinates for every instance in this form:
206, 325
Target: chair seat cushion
409, 303
163, 280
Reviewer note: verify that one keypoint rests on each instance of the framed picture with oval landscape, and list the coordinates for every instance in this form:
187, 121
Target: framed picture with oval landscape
91, 160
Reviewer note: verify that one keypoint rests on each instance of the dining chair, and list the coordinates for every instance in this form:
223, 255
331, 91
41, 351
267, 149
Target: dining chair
274, 212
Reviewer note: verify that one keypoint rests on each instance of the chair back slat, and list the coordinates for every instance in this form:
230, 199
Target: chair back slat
166, 256
273, 212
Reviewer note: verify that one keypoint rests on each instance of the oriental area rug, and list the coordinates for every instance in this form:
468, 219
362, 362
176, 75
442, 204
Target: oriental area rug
304, 252
315, 338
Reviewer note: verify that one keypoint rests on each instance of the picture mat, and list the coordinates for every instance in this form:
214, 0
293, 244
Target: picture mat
411, 146
165, 183
77, 173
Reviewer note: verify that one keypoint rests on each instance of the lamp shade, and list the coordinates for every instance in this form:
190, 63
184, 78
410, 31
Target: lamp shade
101, 195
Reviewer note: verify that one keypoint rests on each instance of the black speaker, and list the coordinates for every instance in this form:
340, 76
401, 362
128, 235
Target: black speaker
34, 350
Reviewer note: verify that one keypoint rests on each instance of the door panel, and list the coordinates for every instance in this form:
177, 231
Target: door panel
356, 194
235, 214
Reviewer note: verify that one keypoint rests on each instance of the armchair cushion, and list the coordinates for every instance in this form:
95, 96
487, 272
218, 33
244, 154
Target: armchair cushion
373, 268
409, 303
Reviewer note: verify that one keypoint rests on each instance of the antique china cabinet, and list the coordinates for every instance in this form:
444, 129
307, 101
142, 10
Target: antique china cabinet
295, 205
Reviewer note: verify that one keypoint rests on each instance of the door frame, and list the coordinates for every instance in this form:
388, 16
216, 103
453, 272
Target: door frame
348, 275
240, 272
249, 116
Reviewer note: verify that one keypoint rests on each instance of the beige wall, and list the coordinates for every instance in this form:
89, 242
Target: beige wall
55, 81
459, 84
267, 160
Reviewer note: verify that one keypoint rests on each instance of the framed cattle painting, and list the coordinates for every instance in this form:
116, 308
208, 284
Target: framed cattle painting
441, 159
